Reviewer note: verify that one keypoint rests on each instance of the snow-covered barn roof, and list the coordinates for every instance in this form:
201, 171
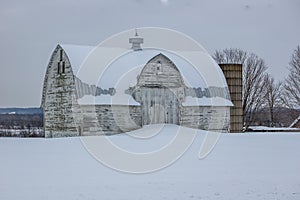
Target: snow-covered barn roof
203, 73
111, 67
76, 54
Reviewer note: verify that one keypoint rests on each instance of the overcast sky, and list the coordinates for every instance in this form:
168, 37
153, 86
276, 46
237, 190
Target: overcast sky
30, 30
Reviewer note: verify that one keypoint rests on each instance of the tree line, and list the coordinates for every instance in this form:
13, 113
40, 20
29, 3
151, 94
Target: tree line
260, 90
21, 121
21, 125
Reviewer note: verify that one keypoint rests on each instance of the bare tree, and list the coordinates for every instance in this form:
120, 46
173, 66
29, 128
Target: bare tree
253, 78
272, 96
291, 93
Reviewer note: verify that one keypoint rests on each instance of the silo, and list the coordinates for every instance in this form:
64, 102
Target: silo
233, 74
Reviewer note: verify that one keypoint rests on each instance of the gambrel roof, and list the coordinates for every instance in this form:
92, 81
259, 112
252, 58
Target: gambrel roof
203, 74
111, 67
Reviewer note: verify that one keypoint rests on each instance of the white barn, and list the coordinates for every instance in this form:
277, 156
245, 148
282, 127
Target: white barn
140, 87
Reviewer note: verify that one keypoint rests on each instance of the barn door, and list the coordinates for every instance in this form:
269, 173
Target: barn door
160, 105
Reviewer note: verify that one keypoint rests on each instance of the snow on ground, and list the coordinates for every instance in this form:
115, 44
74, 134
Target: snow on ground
241, 166
265, 128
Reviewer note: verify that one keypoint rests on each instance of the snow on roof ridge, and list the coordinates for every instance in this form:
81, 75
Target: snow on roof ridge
79, 45
90, 46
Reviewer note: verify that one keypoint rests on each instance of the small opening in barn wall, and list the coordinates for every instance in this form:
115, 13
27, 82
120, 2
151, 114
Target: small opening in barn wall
63, 67
61, 55
58, 68
159, 64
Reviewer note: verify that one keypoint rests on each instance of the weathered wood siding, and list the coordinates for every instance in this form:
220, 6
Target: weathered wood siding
160, 90
61, 111
213, 118
110, 119
160, 71
159, 105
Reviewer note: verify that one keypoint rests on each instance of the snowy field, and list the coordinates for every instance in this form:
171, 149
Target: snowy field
240, 167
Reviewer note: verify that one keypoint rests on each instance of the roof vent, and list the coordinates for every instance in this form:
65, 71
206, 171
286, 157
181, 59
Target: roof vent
136, 42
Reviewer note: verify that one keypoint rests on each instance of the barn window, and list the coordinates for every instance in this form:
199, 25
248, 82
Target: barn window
63, 67
58, 68
158, 65
61, 55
